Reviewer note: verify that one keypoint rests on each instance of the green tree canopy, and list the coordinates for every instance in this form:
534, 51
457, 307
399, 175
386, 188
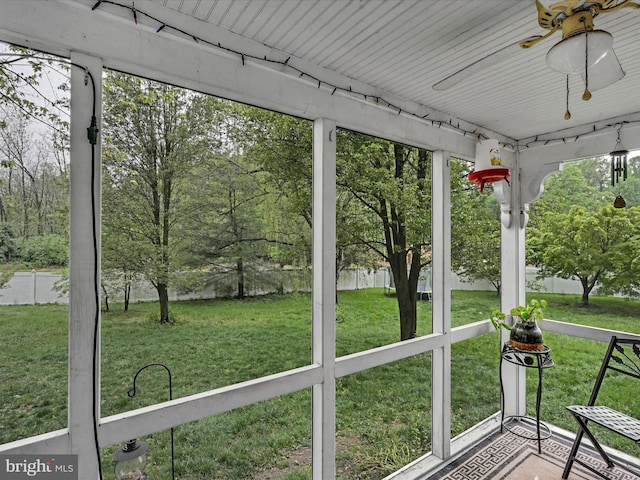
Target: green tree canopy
592, 247
566, 189
22, 73
280, 148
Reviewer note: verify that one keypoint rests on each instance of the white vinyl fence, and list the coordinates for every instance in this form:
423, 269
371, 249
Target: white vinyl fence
30, 288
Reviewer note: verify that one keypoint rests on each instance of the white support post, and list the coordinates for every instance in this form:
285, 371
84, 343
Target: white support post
526, 186
512, 283
324, 297
84, 265
441, 304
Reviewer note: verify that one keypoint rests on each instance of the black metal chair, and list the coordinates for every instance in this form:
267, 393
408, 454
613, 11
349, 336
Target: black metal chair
623, 356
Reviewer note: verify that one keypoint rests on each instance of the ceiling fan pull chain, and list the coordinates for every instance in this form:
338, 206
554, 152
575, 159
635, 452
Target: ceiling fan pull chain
567, 114
586, 95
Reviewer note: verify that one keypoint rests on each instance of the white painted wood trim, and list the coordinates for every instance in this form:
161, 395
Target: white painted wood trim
441, 304
84, 262
473, 330
57, 441
583, 331
357, 362
533, 178
162, 416
564, 146
513, 269
324, 298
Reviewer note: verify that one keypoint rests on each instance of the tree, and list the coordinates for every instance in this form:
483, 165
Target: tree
596, 172
153, 135
279, 149
392, 183
226, 233
8, 251
588, 246
120, 256
350, 251
45, 250
625, 258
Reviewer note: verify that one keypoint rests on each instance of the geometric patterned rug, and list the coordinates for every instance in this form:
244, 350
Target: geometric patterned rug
505, 456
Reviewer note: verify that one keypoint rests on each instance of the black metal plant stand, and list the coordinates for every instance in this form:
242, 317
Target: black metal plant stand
540, 359
132, 393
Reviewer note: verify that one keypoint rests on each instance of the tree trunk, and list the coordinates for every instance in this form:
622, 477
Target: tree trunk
163, 296
586, 290
3, 212
585, 298
406, 298
406, 280
240, 273
106, 297
25, 211
408, 313
127, 296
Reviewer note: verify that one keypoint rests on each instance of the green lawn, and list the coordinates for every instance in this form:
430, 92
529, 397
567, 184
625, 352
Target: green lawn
383, 418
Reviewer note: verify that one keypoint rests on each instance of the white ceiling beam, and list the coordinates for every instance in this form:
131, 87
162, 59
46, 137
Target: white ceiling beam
587, 141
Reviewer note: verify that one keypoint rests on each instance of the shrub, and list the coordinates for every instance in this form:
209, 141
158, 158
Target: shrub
45, 251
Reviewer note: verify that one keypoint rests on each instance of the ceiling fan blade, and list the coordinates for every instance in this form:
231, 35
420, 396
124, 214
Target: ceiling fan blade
480, 65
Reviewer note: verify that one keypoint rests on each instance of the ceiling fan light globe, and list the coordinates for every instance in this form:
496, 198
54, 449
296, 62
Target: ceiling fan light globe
606, 72
568, 55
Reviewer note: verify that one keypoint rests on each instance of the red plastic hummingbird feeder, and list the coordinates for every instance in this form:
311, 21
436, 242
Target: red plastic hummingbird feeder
489, 167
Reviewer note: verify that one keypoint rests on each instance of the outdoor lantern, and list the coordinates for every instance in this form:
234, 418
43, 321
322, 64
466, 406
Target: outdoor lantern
131, 461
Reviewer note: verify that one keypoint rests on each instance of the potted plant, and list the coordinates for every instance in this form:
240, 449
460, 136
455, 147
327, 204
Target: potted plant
525, 332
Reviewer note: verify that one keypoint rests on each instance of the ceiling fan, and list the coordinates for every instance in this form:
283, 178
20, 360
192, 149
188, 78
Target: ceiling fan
583, 50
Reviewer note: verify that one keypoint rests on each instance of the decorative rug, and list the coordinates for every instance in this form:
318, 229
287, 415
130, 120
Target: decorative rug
505, 456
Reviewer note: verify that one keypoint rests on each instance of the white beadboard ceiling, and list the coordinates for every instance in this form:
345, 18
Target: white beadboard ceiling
404, 47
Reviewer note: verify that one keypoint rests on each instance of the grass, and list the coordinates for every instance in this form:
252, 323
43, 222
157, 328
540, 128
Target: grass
383, 414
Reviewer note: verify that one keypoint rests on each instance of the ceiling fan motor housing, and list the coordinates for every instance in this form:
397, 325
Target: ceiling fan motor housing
577, 23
